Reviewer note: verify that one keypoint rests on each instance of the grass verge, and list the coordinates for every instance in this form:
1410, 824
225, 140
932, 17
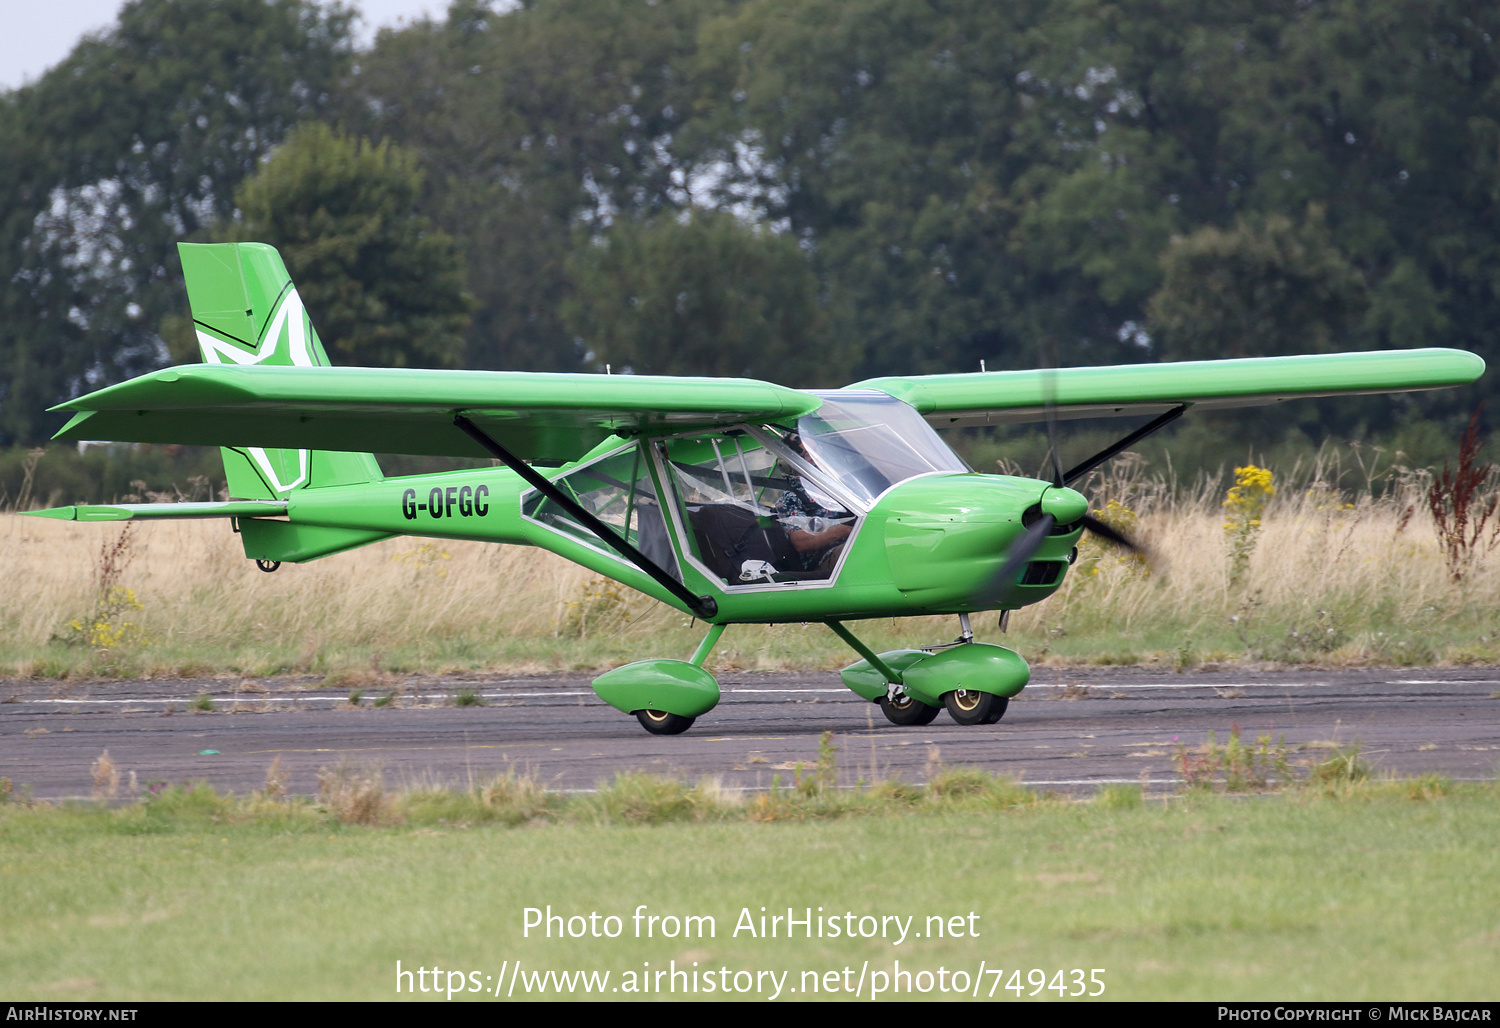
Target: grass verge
1341, 888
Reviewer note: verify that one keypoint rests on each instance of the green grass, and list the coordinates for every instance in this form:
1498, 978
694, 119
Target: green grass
1369, 890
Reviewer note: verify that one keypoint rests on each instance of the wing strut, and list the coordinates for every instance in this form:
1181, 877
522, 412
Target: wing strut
701, 606
1074, 474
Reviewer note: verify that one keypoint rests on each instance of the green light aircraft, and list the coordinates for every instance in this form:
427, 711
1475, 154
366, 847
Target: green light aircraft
732, 500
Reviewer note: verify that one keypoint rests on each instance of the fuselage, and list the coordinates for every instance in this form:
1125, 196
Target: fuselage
928, 543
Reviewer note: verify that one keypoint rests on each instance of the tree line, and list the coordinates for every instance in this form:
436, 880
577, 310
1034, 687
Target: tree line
807, 191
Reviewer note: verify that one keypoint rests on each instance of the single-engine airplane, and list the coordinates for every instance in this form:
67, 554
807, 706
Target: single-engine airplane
733, 500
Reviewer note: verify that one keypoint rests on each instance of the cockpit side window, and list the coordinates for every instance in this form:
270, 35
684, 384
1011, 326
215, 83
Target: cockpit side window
619, 491
751, 516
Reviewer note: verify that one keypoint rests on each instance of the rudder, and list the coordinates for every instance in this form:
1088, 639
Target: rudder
246, 311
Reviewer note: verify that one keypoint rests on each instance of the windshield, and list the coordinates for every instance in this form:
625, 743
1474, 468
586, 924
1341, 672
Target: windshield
754, 518
869, 441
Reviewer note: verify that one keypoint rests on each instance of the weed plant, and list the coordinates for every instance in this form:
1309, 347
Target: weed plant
1244, 505
1236, 766
1342, 769
1462, 503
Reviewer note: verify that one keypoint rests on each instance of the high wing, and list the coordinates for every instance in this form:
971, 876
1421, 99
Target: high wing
559, 417
1005, 397
539, 417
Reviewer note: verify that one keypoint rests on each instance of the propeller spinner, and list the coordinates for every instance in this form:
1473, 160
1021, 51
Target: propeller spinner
1060, 505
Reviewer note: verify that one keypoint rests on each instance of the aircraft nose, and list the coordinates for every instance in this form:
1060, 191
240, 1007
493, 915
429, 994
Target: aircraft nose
1064, 504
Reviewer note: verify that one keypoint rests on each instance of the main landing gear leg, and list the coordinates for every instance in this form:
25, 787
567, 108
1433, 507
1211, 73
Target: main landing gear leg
898, 708
973, 680
707, 645
661, 722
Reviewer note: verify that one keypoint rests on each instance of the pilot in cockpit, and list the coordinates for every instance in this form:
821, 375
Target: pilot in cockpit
816, 532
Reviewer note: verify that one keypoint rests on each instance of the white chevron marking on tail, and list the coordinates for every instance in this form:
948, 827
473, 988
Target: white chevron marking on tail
288, 315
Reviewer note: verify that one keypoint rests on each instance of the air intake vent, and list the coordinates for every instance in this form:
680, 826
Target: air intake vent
1042, 572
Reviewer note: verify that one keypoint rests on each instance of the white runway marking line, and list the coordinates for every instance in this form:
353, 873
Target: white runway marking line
790, 688
1183, 685
286, 698
289, 698
278, 698
1107, 686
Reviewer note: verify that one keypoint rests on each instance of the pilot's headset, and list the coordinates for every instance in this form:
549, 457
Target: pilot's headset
794, 440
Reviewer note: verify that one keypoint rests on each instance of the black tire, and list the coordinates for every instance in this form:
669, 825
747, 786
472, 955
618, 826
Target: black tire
659, 722
997, 709
907, 711
968, 707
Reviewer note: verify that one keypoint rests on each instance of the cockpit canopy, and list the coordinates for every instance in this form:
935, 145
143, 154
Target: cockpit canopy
869, 441
758, 505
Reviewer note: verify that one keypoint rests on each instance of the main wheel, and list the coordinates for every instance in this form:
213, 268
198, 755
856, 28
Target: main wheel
659, 722
997, 709
907, 711
968, 707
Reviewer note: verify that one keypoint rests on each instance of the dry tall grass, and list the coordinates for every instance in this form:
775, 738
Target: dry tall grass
400, 604
1332, 578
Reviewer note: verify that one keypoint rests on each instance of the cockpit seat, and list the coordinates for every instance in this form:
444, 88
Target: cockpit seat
730, 535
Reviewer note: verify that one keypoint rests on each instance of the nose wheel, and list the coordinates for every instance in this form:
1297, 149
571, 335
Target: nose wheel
659, 722
968, 707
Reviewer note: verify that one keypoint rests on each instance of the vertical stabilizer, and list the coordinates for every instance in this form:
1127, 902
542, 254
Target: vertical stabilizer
246, 311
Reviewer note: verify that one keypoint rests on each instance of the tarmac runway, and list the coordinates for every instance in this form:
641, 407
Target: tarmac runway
1071, 730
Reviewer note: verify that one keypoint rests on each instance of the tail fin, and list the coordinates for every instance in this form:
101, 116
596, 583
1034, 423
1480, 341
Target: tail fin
246, 311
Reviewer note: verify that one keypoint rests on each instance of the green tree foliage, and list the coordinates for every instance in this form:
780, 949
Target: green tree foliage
135, 141
1381, 113
533, 123
705, 296
1098, 180
978, 177
383, 286
1276, 288
888, 134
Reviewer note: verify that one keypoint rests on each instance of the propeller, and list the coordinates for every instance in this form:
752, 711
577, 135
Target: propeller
1021, 552
1025, 547
1049, 404
1065, 502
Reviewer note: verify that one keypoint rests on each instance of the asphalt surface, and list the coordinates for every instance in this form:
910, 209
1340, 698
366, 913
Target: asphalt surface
1071, 730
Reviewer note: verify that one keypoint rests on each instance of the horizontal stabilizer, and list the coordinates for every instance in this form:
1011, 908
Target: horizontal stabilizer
544, 417
1003, 397
131, 511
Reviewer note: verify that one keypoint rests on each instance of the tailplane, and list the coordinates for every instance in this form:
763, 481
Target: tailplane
246, 311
